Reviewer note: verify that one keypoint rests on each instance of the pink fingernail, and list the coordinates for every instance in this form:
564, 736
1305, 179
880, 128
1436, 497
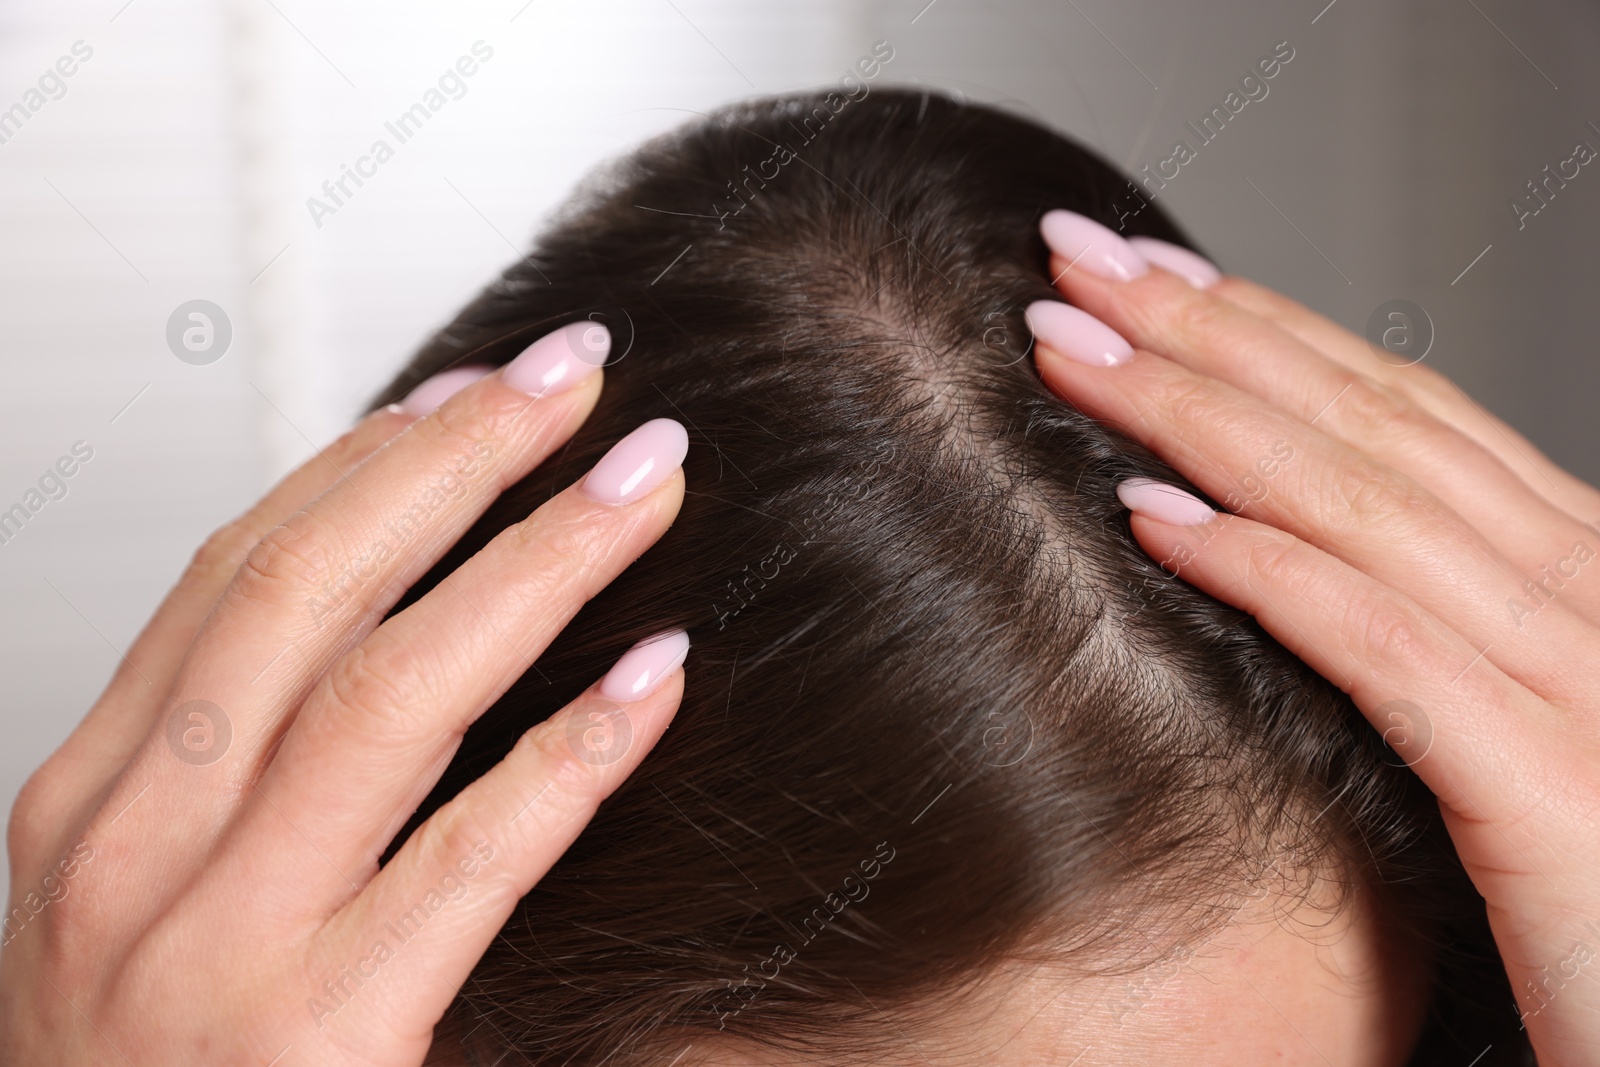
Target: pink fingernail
558, 361
1163, 502
441, 387
1076, 334
1195, 269
1089, 245
638, 463
643, 668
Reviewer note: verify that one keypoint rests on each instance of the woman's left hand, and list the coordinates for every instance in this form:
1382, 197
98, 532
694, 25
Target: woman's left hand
1413, 550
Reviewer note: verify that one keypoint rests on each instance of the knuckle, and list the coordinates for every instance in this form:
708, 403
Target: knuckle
554, 555
1371, 408
287, 561
1426, 380
347, 447
1192, 404
1200, 317
1366, 403
372, 687
1230, 287
219, 554
1277, 563
569, 780
566, 535
1373, 496
1382, 629
467, 429
455, 832
26, 836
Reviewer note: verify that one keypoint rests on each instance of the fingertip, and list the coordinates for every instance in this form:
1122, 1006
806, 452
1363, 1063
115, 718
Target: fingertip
1091, 246
1163, 502
427, 397
1190, 266
646, 666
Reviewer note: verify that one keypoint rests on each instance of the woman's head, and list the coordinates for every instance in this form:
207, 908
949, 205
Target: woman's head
951, 745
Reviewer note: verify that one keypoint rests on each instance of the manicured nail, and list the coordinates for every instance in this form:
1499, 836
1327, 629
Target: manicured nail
643, 668
1087, 244
441, 387
558, 361
1195, 269
1076, 334
638, 463
1163, 502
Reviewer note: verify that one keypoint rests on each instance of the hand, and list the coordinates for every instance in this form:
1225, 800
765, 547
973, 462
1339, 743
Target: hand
1413, 550
194, 873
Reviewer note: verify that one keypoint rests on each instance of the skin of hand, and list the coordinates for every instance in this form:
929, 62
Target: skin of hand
196, 868
1411, 548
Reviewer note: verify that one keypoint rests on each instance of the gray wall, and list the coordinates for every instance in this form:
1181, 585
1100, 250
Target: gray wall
177, 164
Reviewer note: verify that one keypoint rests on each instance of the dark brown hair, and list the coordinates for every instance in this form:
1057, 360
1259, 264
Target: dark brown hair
941, 710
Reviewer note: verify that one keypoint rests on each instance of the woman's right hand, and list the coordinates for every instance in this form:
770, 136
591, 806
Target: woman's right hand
194, 873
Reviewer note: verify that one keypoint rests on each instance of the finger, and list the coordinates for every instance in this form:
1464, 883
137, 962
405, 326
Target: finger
1479, 740
379, 728
1431, 390
74, 776
438, 903
1215, 337
321, 580
1324, 492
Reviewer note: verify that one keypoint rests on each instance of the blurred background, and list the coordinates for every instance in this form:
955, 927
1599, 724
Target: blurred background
175, 161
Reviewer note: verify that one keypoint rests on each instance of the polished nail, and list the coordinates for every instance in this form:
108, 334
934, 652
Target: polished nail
1195, 269
643, 668
638, 463
441, 387
1087, 244
1076, 334
1163, 502
558, 361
